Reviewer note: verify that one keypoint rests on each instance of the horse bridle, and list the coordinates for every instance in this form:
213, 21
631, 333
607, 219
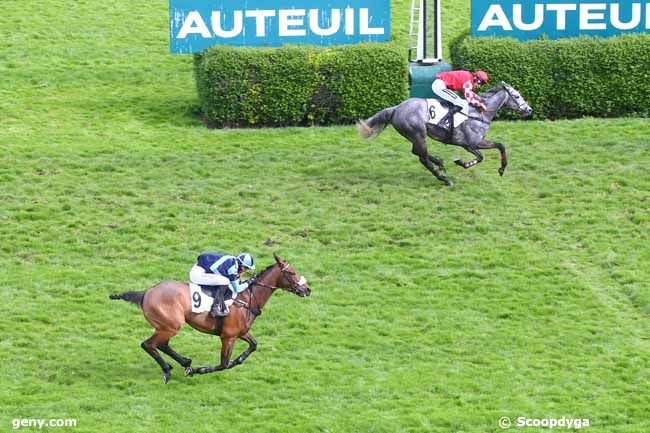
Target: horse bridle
520, 105
295, 287
507, 89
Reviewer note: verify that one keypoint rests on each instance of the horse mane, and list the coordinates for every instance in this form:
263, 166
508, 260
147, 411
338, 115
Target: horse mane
491, 92
264, 271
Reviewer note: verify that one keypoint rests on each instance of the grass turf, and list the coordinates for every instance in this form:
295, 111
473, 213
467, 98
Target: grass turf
433, 308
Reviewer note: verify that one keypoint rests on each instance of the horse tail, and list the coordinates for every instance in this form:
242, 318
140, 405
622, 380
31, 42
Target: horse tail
372, 127
132, 296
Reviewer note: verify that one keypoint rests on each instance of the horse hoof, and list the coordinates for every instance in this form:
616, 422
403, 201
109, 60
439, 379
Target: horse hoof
501, 171
459, 162
166, 377
189, 372
449, 182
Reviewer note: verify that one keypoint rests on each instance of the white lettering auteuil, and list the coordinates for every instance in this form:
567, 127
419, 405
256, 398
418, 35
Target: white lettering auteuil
290, 23
608, 17
195, 25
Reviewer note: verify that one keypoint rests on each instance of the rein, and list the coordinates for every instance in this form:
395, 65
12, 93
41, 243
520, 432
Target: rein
253, 282
510, 96
480, 119
490, 111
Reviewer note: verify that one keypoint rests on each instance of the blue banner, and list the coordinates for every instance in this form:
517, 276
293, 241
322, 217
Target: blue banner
195, 25
530, 19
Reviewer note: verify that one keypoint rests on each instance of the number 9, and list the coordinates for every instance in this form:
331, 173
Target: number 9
196, 296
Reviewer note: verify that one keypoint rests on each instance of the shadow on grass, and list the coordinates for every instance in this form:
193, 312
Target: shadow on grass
180, 111
151, 109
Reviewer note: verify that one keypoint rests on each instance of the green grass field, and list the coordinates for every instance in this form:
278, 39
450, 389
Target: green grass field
434, 309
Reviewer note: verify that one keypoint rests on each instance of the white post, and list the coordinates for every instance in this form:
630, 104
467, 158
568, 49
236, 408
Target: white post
438, 32
420, 54
429, 38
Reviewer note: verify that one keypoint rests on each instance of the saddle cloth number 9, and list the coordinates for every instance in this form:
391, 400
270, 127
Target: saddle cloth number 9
202, 303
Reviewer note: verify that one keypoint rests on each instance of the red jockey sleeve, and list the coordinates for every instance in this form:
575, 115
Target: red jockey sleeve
472, 97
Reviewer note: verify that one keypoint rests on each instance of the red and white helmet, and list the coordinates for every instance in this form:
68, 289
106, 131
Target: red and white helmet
482, 77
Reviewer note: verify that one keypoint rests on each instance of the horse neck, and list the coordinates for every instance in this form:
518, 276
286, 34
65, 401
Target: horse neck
267, 283
494, 103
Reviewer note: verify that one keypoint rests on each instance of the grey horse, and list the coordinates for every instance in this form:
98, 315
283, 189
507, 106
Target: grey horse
411, 116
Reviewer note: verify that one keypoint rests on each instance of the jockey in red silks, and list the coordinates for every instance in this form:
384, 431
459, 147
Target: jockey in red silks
448, 83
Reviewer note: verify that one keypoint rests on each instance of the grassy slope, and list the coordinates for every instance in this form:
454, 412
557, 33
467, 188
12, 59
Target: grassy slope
522, 296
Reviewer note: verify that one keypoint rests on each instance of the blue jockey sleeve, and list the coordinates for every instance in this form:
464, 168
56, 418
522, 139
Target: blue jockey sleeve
227, 266
238, 287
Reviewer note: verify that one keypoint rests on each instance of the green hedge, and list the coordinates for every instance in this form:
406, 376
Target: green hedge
567, 78
298, 85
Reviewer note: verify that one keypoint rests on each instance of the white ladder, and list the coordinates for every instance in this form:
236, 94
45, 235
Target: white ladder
414, 30
425, 34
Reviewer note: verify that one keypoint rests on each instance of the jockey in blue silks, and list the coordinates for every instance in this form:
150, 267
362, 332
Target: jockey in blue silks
216, 272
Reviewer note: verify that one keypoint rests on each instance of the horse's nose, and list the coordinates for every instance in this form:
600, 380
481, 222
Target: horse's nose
529, 112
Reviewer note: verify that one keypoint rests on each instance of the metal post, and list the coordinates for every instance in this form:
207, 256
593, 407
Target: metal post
438, 54
421, 51
429, 32
427, 46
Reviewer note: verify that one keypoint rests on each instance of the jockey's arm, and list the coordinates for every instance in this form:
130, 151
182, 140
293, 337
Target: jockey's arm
472, 97
237, 287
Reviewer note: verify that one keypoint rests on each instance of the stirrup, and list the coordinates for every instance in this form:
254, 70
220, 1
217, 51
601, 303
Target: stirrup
217, 311
447, 122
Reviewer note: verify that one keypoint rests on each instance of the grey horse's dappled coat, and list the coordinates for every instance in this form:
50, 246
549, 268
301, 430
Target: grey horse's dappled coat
410, 119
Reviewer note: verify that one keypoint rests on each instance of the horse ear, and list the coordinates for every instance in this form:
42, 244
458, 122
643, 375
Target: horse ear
277, 259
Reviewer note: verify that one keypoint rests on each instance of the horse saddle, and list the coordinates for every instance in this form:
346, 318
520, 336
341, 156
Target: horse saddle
438, 111
202, 298
210, 290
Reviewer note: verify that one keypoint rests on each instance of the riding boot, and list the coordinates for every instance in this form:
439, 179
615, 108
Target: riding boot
450, 115
219, 307
450, 119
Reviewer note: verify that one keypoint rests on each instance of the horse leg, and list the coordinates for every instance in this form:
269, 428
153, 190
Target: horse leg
485, 144
438, 162
227, 344
439, 134
150, 344
183, 361
473, 162
252, 346
419, 149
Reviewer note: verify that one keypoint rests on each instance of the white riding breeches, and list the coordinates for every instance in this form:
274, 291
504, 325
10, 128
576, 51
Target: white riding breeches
199, 276
440, 89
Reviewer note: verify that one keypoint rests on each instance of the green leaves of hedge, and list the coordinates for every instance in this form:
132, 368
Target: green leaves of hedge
567, 78
298, 85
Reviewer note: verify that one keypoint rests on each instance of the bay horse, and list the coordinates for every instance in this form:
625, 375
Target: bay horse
167, 305
410, 119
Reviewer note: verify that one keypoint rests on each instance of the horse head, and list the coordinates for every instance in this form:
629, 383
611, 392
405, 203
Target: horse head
515, 101
290, 280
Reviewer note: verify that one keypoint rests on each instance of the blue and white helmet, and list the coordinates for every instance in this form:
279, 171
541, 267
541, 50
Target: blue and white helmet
246, 260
